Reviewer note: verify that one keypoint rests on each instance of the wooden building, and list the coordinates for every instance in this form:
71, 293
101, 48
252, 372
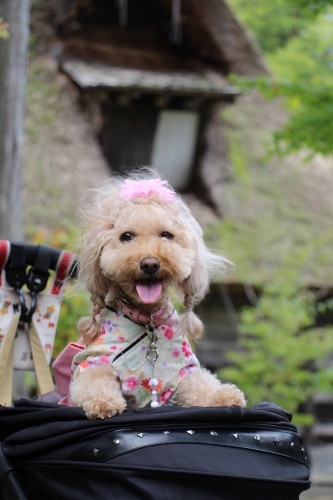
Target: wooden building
152, 74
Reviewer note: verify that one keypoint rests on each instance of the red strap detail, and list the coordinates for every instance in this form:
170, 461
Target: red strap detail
63, 267
4, 254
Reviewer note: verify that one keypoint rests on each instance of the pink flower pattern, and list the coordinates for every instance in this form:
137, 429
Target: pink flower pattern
131, 383
168, 334
176, 352
104, 360
166, 395
186, 348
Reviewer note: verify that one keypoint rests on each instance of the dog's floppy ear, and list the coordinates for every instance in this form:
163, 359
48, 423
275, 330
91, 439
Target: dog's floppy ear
98, 285
196, 285
194, 288
207, 265
88, 327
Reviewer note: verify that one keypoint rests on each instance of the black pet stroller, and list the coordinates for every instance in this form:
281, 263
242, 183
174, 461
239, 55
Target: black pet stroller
53, 451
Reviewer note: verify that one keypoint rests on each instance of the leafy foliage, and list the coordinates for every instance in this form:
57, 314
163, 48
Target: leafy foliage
4, 28
297, 38
4, 33
282, 353
310, 124
272, 23
314, 5
307, 62
74, 306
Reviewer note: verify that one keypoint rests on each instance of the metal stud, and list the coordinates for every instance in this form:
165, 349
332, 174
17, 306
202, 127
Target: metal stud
190, 432
256, 437
95, 451
292, 446
166, 432
141, 434
276, 441
213, 433
235, 436
303, 451
116, 441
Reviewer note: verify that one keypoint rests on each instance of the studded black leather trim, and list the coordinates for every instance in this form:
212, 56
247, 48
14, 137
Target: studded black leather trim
123, 441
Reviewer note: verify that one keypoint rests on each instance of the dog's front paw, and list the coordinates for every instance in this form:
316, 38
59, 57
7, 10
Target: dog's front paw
99, 408
97, 391
229, 395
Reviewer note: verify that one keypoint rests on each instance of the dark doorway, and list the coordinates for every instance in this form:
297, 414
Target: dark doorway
127, 135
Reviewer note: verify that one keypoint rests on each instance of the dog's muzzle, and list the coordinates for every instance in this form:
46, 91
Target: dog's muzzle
150, 265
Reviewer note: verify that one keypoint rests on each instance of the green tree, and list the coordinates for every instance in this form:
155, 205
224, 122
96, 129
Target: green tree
272, 23
4, 33
282, 354
297, 38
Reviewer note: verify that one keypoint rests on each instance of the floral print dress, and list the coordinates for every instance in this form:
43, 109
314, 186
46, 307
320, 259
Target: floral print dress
124, 343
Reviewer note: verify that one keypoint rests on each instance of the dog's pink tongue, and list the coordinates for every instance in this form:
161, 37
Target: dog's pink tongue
149, 291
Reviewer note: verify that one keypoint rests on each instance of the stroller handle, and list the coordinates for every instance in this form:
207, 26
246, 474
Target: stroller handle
31, 253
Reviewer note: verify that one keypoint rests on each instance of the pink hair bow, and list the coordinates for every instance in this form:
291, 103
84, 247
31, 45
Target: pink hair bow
144, 189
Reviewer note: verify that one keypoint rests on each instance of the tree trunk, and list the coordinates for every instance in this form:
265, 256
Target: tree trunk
13, 71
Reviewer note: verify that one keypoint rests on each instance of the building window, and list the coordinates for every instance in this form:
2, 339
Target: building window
174, 146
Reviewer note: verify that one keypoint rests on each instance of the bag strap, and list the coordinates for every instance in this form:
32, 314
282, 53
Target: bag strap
44, 378
120, 441
39, 275
63, 270
6, 362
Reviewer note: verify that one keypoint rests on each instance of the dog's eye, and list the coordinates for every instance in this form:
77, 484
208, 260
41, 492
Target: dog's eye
166, 235
126, 237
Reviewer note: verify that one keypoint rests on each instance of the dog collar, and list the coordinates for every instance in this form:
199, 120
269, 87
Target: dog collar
138, 316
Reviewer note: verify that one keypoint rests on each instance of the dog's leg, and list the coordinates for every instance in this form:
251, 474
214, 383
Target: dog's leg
97, 391
202, 388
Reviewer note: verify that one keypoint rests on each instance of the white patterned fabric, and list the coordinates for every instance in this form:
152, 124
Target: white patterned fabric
133, 370
45, 319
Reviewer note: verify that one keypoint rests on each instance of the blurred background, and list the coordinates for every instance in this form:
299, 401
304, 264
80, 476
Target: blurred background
232, 101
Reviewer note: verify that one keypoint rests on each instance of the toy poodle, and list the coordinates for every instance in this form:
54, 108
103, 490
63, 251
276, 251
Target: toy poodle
139, 242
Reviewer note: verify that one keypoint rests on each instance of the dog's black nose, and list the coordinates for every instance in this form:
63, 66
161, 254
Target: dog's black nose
150, 265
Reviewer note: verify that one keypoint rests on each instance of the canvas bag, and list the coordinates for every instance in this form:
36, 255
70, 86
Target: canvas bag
29, 345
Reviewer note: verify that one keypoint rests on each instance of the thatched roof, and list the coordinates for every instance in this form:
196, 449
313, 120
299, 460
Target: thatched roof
89, 75
214, 44
213, 22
